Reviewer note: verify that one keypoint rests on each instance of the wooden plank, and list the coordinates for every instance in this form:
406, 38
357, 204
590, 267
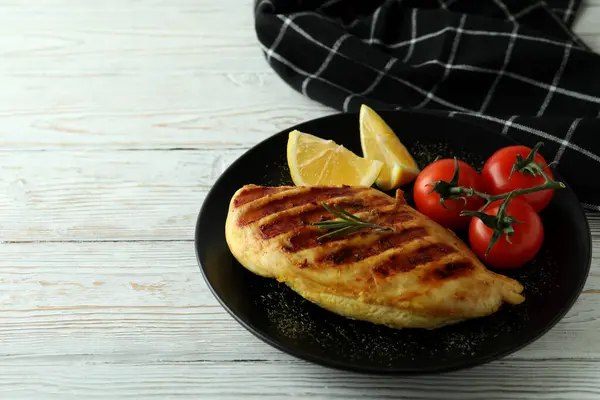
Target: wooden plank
538, 380
117, 301
153, 109
250, 115
147, 301
90, 75
51, 197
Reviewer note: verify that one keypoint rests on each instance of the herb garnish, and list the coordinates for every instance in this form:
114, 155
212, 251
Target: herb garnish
346, 225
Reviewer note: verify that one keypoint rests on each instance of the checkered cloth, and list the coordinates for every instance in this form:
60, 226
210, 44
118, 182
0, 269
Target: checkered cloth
513, 66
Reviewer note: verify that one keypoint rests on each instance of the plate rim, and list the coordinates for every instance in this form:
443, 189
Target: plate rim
389, 371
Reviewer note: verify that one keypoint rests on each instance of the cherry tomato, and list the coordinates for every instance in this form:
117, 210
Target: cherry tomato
429, 203
497, 179
526, 240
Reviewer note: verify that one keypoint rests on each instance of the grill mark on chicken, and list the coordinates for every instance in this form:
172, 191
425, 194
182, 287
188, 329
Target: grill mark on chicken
430, 253
449, 271
353, 254
398, 263
307, 240
308, 237
388, 217
393, 265
391, 217
315, 213
294, 200
255, 193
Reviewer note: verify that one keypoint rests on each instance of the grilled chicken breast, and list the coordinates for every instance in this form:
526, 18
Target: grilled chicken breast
419, 275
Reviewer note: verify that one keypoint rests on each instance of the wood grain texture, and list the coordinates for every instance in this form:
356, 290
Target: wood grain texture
100, 293
53, 197
517, 380
139, 74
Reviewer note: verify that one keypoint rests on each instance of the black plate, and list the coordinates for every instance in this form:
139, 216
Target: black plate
280, 317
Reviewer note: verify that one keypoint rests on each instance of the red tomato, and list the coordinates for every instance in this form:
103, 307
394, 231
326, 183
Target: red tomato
526, 240
497, 179
429, 203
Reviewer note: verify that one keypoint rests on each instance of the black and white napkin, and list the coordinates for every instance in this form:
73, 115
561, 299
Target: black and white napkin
513, 66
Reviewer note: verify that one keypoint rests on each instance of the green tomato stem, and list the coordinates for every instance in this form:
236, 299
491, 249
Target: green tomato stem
548, 184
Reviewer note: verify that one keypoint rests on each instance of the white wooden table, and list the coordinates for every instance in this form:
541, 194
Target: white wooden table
116, 117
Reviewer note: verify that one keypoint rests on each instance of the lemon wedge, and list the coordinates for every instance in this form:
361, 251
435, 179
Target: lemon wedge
379, 142
318, 162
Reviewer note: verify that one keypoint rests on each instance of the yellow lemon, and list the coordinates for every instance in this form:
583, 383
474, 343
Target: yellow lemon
318, 162
379, 142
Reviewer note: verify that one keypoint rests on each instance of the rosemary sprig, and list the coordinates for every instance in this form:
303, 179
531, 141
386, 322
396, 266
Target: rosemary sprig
346, 224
